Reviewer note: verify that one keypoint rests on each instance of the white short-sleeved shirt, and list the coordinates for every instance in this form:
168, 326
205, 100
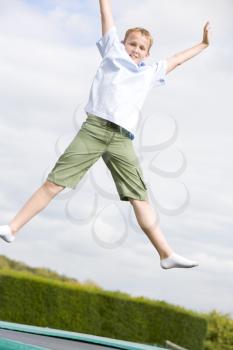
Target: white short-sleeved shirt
120, 85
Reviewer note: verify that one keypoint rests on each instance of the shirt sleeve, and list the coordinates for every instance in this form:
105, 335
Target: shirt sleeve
159, 70
105, 43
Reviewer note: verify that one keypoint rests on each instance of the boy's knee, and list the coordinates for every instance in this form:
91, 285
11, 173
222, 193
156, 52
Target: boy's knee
52, 188
137, 202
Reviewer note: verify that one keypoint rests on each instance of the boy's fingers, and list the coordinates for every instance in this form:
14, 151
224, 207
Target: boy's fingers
207, 27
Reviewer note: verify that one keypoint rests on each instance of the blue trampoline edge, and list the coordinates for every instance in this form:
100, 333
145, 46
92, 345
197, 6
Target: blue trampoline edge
86, 338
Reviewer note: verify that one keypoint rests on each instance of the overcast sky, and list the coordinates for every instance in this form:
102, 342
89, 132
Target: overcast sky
184, 142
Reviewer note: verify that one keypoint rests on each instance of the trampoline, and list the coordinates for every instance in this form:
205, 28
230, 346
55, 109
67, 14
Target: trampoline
15, 336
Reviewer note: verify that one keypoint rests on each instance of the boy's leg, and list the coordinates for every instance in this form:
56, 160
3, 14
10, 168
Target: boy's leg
38, 201
147, 221
127, 174
84, 150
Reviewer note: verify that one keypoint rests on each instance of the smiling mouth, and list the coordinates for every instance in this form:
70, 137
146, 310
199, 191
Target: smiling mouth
133, 56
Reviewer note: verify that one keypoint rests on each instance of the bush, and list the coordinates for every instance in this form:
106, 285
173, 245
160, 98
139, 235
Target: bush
220, 332
44, 302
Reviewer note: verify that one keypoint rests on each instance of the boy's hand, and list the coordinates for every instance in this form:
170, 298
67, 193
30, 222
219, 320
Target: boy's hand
179, 58
206, 34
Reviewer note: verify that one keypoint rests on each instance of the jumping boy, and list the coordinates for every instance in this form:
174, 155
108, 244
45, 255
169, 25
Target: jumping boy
118, 91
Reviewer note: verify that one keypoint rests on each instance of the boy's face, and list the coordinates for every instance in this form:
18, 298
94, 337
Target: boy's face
137, 46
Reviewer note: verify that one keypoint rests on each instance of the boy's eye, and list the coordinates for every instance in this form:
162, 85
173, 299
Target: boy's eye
141, 47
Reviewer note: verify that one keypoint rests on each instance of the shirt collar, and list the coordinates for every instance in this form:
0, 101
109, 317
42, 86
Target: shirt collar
141, 64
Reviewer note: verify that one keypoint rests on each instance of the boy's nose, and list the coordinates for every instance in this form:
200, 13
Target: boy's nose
136, 50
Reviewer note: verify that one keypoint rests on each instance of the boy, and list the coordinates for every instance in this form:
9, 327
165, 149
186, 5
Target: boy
118, 91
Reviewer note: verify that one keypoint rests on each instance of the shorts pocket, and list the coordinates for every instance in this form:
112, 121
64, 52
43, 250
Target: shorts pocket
89, 128
139, 172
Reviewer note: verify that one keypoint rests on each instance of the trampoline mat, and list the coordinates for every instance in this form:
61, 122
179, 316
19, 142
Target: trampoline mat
53, 343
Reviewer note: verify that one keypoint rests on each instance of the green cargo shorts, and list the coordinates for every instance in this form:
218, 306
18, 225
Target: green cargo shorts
97, 138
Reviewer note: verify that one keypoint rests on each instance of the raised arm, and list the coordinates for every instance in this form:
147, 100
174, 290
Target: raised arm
106, 15
179, 58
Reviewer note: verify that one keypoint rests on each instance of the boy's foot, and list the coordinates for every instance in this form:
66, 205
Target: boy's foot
6, 234
175, 260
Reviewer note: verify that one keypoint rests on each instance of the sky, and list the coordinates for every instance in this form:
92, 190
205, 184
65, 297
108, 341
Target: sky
184, 143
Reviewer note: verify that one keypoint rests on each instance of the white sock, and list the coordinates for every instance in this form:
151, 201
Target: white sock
6, 234
175, 260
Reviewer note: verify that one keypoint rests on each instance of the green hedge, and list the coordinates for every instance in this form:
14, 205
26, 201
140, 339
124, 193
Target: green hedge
33, 300
220, 332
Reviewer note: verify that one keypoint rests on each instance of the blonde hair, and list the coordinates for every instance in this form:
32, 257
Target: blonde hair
141, 30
